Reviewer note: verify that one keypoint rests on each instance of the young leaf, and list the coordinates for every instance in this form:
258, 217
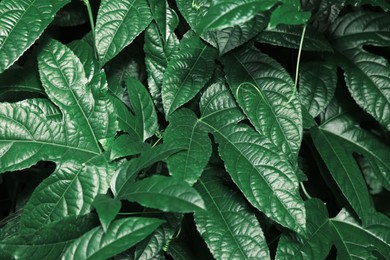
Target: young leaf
22, 24
229, 228
187, 72
173, 195
185, 129
367, 75
107, 208
117, 25
257, 167
121, 235
262, 88
50, 241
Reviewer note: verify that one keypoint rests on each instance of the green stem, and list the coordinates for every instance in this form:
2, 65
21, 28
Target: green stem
305, 191
298, 63
91, 21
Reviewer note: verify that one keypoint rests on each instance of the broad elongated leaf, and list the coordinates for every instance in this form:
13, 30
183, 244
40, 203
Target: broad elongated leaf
173, 195
50, 241
22, 22
107, 208
187, 72
222, 14
127, 145
185, 129
317, 243
317, 84
121, 235
367, 75
289, 36
263, 88
126, 119
229, 228
255, 164
193, 11
117, 25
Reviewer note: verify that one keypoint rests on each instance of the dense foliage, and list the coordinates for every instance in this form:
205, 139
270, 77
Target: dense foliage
245, 129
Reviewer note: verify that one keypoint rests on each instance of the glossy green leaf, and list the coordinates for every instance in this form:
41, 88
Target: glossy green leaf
127, 171
289, 36
173, 195
50, 241
193, 11
289, 13
121, 235
185, 129
127, 145
230, 38
126, 119
222, 14
367, 75
187, 73
228, 226
107, 208
117, 25
316, 244
355, 241
263, 88
317, 84
143, 108
17, 19
261, 172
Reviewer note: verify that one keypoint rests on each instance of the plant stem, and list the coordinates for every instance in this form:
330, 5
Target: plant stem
91, 21
298, 63
305, 191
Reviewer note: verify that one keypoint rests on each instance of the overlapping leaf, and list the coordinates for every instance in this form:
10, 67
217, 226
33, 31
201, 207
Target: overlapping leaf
367, 75
229, 228
289, 12
22, 22
117, 25
120, 235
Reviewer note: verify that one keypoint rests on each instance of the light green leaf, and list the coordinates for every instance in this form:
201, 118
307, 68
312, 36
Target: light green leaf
367, 75
222, 14
117, 25
317, 242
127, 145
22, 22
317, 84
257, 167
185, 129
289, 13
289, 36
107, 208
121, 235
187, 73
142, 105
173, 195
262, 88
50, 241
228, 226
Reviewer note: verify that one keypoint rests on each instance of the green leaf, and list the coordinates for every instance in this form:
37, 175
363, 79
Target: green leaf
142, 105
72, 14
17, 19
173, 195
187, 73
367, 75
126, 119
222, 14
289, 36
117, 25
262, 88
126, 173
121, 235
127, 145
289, 13
193, 11
107, 208
355, 241
185, 129
229, 38
257, 167
50, 241
166, 19
317, 242
228, 226
317, 84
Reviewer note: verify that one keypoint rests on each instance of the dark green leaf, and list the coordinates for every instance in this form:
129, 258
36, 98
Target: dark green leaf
173, 195
117, 25
228, 226
121, 235
107, 208
289, 13
127, 145
17, 19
